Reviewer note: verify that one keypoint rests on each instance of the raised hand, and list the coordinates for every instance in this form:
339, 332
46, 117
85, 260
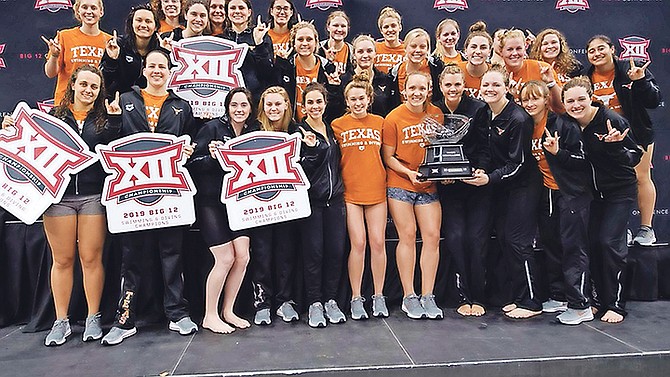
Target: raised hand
547, 73
166, 43
637, 73
113, 108
112, 47
334, 78
308, 137
530, 38
54, 47
7, 121
551, 142
514, 86
613, 135
260, 30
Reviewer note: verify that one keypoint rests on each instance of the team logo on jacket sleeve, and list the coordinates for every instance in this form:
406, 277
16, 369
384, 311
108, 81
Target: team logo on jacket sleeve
634, 47
323, 4
266, 184
52, 5
572, 6
206, 69
148, 186
451, 5
37, 157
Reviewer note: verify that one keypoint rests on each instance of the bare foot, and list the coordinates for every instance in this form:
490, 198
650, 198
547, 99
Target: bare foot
464, 310
520, 313
612, 317
217, 325
478, 310
236, 321
508, 308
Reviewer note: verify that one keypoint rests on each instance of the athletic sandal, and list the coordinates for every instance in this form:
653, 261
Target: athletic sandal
554, 306
357, 309
379, 308
575, 316
521, 313
333, 312
611, 316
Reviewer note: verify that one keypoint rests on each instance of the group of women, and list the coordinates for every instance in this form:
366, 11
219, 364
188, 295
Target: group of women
543, 155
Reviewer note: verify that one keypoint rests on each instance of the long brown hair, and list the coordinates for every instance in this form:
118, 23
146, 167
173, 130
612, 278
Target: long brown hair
565, 61
98, 111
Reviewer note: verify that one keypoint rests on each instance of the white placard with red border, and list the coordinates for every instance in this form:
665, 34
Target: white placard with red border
265, 184
206, 69
148, 186
37, 157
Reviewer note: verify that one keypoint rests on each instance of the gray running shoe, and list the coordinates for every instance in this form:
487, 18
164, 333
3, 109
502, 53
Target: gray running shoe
59, 333
430, 307
575, 316
412, 307
333, 312
645, 236
357, 308
184, 326
315, 315
93, 330
554, 306
379, 308
262, 317
287, 312
116, 335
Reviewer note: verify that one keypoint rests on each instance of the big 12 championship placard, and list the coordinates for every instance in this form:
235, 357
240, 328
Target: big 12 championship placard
148, 186
265, 183
206, 69
37, 156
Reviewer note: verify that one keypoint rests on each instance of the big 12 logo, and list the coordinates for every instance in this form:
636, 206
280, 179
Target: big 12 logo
572, 6
206, 69
634, 47
451, 5
38, 155
323, 4
53, 6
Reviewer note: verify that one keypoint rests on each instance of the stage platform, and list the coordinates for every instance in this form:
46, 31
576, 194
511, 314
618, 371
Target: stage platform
488, 346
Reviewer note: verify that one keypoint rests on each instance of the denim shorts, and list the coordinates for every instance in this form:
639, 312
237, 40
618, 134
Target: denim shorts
76, 205
411, 197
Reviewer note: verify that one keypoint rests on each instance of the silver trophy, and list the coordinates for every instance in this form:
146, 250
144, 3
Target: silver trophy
445, 158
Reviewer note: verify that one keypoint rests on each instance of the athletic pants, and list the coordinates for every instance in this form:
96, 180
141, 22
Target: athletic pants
609, 251
466, 228
515, 213
323, 243
564, 235
134, 247
273, 250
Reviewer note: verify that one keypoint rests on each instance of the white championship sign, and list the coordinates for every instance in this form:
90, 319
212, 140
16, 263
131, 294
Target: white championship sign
148, 186
206, 69
265, 183
37, 156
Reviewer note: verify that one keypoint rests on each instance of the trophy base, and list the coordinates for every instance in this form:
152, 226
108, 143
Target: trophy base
440, 171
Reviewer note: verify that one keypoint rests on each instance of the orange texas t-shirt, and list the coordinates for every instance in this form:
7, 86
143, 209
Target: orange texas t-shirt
472, 83
280, 42
153, 105
402, 131
302, 78
603, 90
538, 153
166, 28
77, 49
529, 71
363, 172
388, 57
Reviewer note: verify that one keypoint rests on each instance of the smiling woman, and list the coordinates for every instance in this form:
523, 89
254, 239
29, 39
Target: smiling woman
169, 14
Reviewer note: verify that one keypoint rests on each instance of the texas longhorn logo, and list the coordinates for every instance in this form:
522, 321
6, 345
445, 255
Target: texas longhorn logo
572, 6
53, 6
634, 47
451, 5
37, 156
206, 69
145, 168
323, 4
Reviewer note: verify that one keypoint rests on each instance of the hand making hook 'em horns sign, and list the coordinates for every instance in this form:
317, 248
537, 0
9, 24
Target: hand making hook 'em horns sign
613, 135
54, 47
637, 73
112, 47
550, 143
113, 108
308, 137
166, 43
260, 30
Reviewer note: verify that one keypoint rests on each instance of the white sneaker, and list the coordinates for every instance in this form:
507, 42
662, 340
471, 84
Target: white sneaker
575, 316
554, 306
184, 326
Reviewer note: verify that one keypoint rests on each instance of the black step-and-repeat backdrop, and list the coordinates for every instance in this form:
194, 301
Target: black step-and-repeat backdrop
637, 27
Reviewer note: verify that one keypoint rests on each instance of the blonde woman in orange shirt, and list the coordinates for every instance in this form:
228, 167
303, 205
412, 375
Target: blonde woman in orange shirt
410, 200
391, 50
359, 135
78, 46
